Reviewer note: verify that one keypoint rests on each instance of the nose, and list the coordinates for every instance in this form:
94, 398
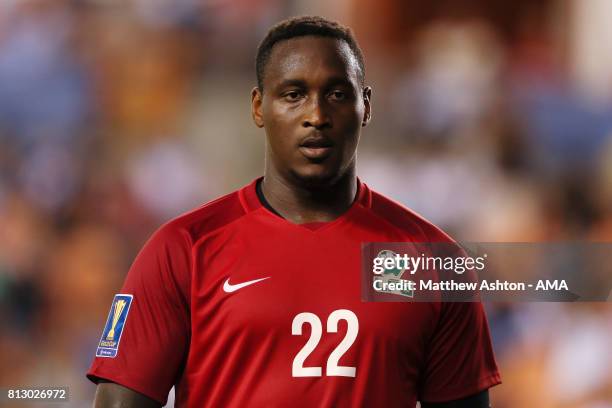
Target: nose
317, 115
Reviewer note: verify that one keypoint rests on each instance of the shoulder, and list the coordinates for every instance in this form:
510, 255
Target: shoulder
407, 221
204, 220
166, 256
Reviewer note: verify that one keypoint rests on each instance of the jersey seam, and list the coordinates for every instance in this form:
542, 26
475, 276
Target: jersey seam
395, 228
218, 229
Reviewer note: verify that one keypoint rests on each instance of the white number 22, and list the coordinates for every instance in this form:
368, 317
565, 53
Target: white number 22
332, 369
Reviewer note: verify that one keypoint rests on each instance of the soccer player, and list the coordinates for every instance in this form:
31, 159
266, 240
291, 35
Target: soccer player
253, 300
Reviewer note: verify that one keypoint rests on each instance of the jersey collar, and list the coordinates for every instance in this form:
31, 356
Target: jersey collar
250, 201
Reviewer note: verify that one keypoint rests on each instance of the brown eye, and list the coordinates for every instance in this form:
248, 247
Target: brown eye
292, 96
338, 95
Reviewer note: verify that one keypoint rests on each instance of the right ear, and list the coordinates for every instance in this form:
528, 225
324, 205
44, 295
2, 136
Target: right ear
256, 102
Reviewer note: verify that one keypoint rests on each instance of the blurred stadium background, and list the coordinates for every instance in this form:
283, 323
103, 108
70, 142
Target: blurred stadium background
491, 118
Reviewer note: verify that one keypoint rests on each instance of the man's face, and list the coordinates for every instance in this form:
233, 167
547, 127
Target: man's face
312, 108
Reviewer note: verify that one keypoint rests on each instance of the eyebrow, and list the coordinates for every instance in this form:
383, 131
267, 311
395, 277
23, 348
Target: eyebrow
302, 84
291, 82
339, 81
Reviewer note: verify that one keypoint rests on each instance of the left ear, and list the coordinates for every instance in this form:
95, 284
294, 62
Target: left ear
256, 101
367, 113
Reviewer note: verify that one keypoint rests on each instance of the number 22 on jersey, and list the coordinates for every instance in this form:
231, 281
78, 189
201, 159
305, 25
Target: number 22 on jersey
332, 368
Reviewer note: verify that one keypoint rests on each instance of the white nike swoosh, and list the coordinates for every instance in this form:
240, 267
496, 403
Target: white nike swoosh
229, 288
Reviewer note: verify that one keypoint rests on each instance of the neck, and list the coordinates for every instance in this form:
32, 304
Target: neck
301, 204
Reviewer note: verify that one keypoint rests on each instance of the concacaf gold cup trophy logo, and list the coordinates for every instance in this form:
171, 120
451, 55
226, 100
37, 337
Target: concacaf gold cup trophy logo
118, 309
115, 323
391, 275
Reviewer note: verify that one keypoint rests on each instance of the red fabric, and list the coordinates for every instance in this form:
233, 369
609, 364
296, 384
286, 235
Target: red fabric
237, 349
313, 225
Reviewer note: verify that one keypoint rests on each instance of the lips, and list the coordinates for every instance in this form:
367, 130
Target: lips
316, 148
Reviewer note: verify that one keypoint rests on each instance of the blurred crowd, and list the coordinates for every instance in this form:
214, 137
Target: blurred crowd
493, 119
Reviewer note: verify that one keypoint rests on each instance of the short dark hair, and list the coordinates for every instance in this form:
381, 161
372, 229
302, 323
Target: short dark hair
301, 27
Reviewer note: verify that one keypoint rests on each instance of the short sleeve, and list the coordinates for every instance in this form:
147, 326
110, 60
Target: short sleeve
460, 360
156, 332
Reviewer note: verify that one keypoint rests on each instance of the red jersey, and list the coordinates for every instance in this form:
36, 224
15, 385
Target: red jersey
236, 306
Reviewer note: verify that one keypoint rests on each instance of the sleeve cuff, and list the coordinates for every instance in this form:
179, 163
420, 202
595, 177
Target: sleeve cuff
95, 377
456, 393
